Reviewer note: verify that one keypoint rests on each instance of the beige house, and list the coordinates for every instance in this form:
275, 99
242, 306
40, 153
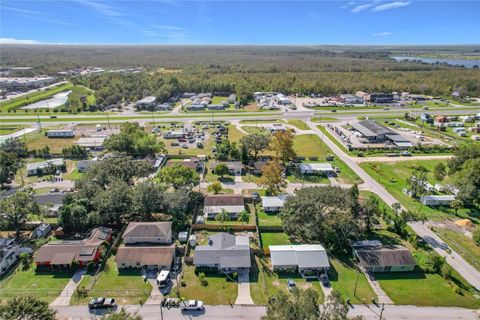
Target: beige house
148, 232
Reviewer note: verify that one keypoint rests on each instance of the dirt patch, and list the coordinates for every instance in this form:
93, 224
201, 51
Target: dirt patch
305, 285
276, 283
251, 107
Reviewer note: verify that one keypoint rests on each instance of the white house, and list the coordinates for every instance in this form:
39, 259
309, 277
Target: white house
60, 133
275, 203
308, 259
274, 127
45, 167
42, 230
434, 200
9, 254
318, 167
233, 204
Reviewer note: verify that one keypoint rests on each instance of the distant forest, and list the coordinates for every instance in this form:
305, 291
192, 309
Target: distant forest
245, 69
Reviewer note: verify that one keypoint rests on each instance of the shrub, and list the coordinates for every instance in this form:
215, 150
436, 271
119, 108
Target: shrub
90, 267
188, 261
203, 280
476, 236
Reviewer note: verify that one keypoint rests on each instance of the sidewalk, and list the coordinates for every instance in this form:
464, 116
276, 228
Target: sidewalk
244, 289
64, 298
381, 295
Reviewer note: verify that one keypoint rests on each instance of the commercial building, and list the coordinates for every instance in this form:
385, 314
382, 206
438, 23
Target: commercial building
375, 97
224, 252
147, 103
351, 99
25, 82
308, 259
377, 133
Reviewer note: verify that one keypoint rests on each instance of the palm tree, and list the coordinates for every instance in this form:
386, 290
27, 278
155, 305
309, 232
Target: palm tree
222, 216
244, 216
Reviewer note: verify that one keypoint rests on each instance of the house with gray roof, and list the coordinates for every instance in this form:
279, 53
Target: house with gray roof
224, 252
50, 201
214, 204
384, 258
84, 165
308, 259
148, 232
274, 203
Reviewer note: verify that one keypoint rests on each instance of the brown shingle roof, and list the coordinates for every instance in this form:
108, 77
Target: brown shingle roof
385, 256
145, 255
65, 253
224, 200
148, 229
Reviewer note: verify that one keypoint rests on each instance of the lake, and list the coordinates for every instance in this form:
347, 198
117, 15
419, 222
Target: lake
467, 63
50, 103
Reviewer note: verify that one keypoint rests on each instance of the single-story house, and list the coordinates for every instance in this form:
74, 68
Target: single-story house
192, 163
214, 204
258, 167
42, 230
235, 168
315, 168
225, 252
375, 258
437, 200
64, 253
9, 254
60, 133
150, 257
50, 201
45, 167
84, 165
308, 259
148, 232
232, 98
273, 203
91, 142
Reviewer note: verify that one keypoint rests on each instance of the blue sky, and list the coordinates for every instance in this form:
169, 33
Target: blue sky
240, 22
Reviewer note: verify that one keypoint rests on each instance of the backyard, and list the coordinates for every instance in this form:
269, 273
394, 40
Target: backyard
274, 238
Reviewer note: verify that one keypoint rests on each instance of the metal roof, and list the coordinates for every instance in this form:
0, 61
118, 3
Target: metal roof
276, 201
318, 166
303, 256
225, 250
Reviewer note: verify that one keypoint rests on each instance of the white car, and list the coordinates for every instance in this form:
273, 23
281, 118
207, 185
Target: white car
192, 305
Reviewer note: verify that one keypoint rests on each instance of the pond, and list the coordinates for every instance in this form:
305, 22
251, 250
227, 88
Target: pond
452, 62
50, 103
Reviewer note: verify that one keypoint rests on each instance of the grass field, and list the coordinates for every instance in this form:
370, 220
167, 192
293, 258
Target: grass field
343, 276
393, 176
268, 219
261, 121
8, 129
274, 238
265, 283
310, 145
300, 124
38, 140
126, 286
461, 244
218, 291
33, 97
43, 285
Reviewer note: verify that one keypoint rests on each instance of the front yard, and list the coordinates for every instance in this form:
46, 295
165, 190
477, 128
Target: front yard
219, 290
264, 283
44, 285
126, 286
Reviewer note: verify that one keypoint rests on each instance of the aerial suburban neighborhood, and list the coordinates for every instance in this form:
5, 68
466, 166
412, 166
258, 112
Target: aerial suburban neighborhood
237, 182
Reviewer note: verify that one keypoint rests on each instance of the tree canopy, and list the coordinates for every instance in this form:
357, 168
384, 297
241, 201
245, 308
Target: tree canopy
134, 141
26, 308
464, 167
255, 143
327, 215
178, 177
282, 144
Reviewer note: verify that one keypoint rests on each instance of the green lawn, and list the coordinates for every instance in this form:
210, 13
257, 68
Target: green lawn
268, 219
300, 124
343, 276
421, 289
393, 176
261, 121
8, 129
126, 286
274, 238
218, 291
44, 285
461, 244
251, 129
38, 140
264, 283
310, 145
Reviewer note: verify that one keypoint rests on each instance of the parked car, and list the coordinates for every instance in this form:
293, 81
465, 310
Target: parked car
192, 305
291, 284
324, 280
406, 154
255, 196
102, 303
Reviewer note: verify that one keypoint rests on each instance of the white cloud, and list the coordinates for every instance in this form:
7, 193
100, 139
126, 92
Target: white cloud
382, 34
360, 7
17, 41
391, 5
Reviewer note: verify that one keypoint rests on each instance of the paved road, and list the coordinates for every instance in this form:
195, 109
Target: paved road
32, 91
391, 312
19, 133
399, 159
470, 274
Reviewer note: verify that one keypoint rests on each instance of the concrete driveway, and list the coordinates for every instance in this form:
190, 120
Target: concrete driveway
244, 289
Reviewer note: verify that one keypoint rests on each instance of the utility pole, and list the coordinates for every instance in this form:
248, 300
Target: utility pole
381, 311
39, 122
153, 117
356, 283
108, 121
